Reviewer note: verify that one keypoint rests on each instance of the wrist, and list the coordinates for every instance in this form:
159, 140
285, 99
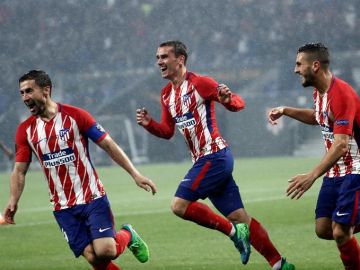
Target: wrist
147, 122
281, 109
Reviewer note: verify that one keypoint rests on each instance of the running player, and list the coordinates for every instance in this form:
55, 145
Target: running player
188, 102
337, 112
58, 136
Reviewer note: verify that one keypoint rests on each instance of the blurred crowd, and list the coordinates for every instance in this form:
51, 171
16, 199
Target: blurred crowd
103, 51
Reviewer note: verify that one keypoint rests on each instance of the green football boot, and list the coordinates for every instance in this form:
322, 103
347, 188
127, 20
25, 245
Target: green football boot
137, 246
286, 266
241, 240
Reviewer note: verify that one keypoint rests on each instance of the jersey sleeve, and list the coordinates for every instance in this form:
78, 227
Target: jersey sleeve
208, 89
343, 106
22, 148
166, 128
88, 126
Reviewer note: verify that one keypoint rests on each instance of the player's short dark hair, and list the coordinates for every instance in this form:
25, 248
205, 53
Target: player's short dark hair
178, 46
41, 78
316, 52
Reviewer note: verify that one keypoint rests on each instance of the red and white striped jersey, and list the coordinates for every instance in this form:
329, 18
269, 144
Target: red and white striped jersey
61, 146
191, 108
338, 112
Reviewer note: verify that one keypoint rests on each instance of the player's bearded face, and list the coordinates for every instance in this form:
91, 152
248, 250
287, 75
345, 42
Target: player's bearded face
303, 68
308, 77
33, 97
36, 107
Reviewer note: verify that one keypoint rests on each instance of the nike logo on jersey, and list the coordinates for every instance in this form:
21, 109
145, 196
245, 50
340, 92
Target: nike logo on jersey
341, 214
185, 180
103, 230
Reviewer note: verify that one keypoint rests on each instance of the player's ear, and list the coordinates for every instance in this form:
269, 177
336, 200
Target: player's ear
316, 66
47, 91
181, 59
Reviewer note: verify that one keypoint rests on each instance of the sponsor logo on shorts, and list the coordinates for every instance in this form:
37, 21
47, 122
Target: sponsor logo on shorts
185, 121
55, 159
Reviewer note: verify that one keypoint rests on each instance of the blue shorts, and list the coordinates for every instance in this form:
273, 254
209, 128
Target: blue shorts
83, 223
211, 177
339, 199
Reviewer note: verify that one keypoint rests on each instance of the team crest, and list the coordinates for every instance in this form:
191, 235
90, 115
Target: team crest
186, 99
64, 134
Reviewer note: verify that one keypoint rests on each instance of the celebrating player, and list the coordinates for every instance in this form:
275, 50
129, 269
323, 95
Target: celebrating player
58, 135
188, 101
337, 111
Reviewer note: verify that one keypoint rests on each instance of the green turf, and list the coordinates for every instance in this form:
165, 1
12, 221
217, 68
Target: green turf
37, 243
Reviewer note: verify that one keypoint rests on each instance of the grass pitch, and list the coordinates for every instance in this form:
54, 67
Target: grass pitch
36, 242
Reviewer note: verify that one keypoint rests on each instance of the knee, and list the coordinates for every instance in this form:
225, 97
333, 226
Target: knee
178, 208
340, 235
89, 255
107, 251
239, 216
324, 233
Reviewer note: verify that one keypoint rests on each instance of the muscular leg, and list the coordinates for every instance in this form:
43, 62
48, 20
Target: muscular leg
348, 246
239, 216
105, 248
323, 228
96, 262
201, 214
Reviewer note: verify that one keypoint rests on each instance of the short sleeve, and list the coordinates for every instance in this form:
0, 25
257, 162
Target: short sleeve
343, 106
22, 147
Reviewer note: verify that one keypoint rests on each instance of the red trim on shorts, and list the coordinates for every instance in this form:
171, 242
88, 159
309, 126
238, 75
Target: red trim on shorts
200, 176
356, 208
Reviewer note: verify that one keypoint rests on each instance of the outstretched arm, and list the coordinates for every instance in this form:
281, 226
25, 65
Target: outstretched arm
17, 183
119, 156
306, 116
301, 183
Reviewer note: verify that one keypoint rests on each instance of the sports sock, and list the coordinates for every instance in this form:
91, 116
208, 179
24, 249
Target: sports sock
260, 240
350, 254
202, 214
277, 265
122, 239
107, 265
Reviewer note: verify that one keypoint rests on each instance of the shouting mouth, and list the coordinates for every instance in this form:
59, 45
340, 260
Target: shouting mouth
32, 106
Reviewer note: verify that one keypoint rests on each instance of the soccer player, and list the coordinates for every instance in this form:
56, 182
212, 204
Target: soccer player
58, 136
337, 112
188, 102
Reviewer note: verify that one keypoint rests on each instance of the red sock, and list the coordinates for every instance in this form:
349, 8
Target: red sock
350, 254
202, 214
107, 265
122, 239
260, 240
